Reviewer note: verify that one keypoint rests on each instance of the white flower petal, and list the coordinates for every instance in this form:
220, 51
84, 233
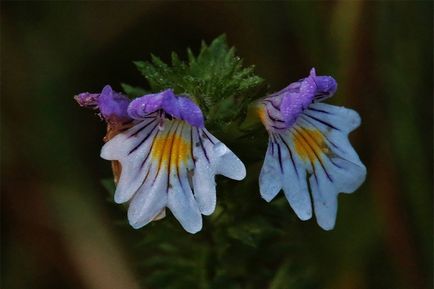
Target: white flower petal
325, 200
270, 178
120, 145
171, 165
131, 149
182, 203
212, 157
341, 159
149, 200
294, 182
342, 118
204, 188
227, 163
315, 149
204, 185
283, 169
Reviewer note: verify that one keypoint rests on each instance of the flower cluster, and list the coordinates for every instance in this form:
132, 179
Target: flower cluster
166, 156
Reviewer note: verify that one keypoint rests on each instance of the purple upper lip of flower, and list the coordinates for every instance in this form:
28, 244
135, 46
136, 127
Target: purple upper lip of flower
298, 95
117, 107
179, 107
87, 99
112, 105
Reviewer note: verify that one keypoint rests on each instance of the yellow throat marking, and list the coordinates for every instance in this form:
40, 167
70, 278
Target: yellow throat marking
170, 147
309, 144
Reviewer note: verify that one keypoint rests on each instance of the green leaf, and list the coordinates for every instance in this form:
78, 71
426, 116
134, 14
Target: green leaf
133, 91
215, 79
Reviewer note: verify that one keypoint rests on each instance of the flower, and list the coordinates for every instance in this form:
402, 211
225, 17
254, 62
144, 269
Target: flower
168, 159
309, 155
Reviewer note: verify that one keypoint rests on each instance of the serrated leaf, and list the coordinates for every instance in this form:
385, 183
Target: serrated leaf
133, 91
213, 78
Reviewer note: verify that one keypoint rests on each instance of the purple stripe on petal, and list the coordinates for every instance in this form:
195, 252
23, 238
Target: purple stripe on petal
202, 146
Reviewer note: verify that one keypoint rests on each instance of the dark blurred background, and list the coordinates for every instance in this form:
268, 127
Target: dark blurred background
58, 228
